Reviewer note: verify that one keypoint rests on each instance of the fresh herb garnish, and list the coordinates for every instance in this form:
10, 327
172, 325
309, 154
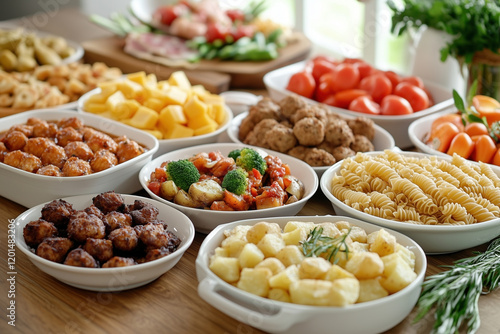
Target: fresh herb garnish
317, 244
454, 293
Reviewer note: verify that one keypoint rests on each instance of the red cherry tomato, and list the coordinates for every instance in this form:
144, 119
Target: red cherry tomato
322, 91
377, 85
169, 13
416, 96
365, 105
395, 105
364, 69
344, 98
320, 67
345, 76
235, 15
302, 83
216, 31
414, 80
394, 77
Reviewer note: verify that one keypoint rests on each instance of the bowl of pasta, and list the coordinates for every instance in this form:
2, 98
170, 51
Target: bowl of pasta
445, 204
259, 272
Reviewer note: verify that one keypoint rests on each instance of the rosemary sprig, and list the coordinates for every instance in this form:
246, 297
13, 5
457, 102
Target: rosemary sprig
454, 294
317, 244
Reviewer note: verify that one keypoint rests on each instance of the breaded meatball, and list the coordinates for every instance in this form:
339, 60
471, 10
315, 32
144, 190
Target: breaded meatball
100, 249
82, 226
79, 149
256, 136
72, 122
246, 126
298, 152
362, 126
102, 160
49, 170
290, 104
280, 138
146, 214
265, 108
338, 133
34, 121
44, 129
80, 258
58, 212
87, 132
153, 235
94, 210
37, 145
22, 160
36, 231
317, 157
342, 152
15, 140
76, 167
109, 201
68, 135
155, 254
309, 131
54, 249
24, 128
362, 144
113, 220
54, 155
99, 141
118, 261
128, 149
124, 238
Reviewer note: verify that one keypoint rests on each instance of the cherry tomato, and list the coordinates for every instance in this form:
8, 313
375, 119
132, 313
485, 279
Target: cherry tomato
302, 83
242, 30
485, 148
322, 91
169, 13
395, 105
487, 107
377, 85
235, 14
216, 31
320, 67
343, 98
416, 96
414, 80
462, 144
475, 129
456, 119
154, 187
345, 76
327, 58
443, 135
364, 69
496, 158
365, 105
393, 77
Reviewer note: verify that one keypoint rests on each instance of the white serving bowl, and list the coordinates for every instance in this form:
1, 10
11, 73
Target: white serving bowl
30, 189
239, 102
206, 220
281, 317
110, 279
277, 80
167, 145
383, 140
434, 239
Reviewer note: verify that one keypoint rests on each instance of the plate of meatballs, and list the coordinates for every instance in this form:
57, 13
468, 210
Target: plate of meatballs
85, 240
312, 133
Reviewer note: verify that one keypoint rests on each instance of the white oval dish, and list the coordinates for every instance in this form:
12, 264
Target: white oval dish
280, 317
434, 239
277, 80
29, 189
110, 279
382, 140
206, 220
239, 102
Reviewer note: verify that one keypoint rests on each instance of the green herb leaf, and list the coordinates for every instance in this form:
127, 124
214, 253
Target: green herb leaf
317, 244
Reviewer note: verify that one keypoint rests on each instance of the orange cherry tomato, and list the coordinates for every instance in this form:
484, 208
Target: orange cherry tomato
485, 148
377, 85
487, 107
365, 105
456, 119
462, 144
302, 83
414, 80
395, 105
496, 158
443, 135
474, 129
345, 76
343, 98
416, 96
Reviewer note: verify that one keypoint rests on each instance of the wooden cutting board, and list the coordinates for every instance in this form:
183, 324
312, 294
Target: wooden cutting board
216, 75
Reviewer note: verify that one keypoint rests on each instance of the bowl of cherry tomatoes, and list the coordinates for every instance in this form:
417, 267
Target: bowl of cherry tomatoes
353, 87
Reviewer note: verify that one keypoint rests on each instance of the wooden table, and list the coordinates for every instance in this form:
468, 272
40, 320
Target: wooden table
169, 304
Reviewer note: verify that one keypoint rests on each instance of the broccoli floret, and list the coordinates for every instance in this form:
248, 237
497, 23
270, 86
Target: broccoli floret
183, 172
235, 181
249, 159
234, 154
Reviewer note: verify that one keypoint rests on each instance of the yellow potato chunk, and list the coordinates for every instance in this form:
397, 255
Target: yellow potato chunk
227, 268
293, 225
336, 272
273, 264
144, 118
344, 291
371, 289
130, 89
314, 268
178, 131
382, 242
137, 77
284, 278
234, 244
397, 273
250, 256
365, 265
260, 229
203, 130
175, 95
96, 108
155, 133
180, 80
125, 109
255, 281
295, 237
155, 104
290, 254
311, 292
271, 244
281, 295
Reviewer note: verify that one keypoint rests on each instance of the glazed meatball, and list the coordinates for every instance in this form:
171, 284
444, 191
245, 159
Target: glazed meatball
49, 170
342, 152
280, 138
99, 141
94, 210
72, 122
58, 212
22, 160
15, 140
3, 151
76, 167
362, 144
124, 238
102, 160
109, 201
338, 133
26, 129
153, 235
80, 258
118, 261
128, 149
44, 129
34, 121
82, 226
54, 155
87, 132
37, 146
155, 254
290, 104
54, 249
100, 249
113, 220
79, 149
362, 126
68, 135
148, 213
298, 152
317, 157
309, 131
36, 231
